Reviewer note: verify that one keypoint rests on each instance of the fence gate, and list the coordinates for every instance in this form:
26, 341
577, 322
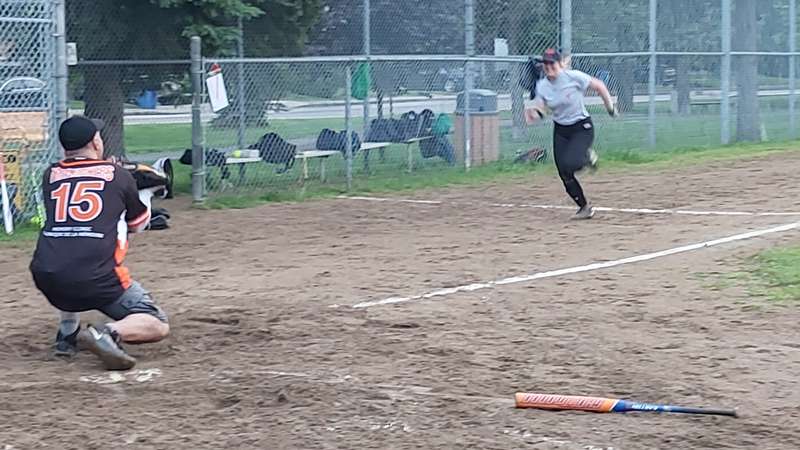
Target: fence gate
27, 106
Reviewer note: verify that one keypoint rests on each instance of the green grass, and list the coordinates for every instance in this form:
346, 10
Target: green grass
701, 128
681, 141
177, 137
772, 275
776, 274
260, 185
23, 235
625, 159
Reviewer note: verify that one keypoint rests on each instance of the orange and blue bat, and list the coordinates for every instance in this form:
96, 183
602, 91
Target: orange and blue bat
605, 405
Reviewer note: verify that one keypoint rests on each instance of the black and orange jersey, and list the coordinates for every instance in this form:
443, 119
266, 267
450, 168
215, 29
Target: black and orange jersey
89, 205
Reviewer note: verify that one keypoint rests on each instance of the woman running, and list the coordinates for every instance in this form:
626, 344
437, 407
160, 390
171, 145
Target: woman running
562, 92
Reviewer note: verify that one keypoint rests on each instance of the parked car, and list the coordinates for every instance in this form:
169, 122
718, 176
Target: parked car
23, 93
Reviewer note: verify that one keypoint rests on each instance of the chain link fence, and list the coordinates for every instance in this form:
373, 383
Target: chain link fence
663, 62
677, 80
27, 85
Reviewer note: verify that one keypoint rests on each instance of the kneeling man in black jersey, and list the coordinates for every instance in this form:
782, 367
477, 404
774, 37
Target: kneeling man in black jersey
91, 205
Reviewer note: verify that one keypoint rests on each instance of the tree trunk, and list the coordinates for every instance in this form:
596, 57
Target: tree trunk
682, 85
105, 100
748, 122
624, 69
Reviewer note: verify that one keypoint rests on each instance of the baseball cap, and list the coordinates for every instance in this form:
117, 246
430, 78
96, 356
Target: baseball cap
77, 131
551, 55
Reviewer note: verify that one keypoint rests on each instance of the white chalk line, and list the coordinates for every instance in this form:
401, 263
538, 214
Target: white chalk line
578, 269
572, 208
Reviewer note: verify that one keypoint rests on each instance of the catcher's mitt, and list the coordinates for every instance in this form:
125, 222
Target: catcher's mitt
148, 177
531, 75
535, 154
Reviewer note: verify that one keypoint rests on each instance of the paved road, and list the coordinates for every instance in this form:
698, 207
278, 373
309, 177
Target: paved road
336, 109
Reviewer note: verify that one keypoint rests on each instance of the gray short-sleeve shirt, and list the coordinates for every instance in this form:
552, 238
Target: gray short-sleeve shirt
564, 96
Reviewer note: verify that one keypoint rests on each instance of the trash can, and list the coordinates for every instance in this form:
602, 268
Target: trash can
147, 100
485, 127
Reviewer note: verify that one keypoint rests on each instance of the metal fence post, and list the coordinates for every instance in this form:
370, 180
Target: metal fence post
792, 67
566, 26
240, 91
469, 36
652, 75
349, 125
725, 74
61, 64
367, 53
198, 156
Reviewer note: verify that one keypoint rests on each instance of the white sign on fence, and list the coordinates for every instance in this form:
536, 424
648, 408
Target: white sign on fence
72, 54
217, 94
500, 47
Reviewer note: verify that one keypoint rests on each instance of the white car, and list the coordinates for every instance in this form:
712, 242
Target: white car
23, 93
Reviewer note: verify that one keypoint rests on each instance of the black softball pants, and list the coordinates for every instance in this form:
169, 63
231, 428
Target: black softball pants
571, 145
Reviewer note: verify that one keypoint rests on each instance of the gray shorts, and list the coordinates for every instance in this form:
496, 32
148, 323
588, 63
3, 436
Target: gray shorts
135, 300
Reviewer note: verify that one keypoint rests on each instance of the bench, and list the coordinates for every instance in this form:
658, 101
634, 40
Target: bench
304, 156
309, 154
367, 146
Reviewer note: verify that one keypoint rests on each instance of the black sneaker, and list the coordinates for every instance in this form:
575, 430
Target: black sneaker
106, 345
66, 346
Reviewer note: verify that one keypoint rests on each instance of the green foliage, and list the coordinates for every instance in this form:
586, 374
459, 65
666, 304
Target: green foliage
284, 30
161, 29
153, 29
530, 26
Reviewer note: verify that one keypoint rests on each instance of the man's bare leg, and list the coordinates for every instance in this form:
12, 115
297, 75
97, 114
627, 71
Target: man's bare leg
139, 320
140, 329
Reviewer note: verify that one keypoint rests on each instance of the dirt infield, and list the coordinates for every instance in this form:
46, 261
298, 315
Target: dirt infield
268, 352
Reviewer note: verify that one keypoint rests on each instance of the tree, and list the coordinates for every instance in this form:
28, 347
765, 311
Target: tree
614, 26
529, 27
124, 30
748, 122
283, 31
398, 27
681, 29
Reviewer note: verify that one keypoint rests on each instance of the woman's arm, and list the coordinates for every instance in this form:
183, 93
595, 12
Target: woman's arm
535, 112
601, 89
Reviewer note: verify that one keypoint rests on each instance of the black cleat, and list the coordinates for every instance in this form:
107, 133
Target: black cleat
66, 346
106, 345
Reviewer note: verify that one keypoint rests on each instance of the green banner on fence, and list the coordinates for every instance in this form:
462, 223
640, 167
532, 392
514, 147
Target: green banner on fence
360, 88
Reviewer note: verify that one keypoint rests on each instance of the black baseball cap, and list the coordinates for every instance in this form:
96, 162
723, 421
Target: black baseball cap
77, 131
551, 55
